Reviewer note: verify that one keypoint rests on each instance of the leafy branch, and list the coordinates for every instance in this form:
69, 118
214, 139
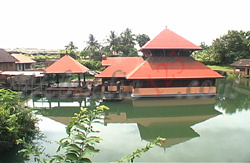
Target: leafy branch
138, 152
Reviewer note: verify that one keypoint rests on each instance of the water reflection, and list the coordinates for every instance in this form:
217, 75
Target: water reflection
168, 118
233, 95
193, 130
172, 121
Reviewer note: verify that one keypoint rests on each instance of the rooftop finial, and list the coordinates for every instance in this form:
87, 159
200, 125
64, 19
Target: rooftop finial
166, 26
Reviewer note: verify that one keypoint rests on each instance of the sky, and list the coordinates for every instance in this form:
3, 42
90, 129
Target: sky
52, 24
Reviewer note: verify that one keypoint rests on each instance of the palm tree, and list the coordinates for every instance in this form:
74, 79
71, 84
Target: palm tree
113, 41
70, 49
127, 38
128, 43
93, 46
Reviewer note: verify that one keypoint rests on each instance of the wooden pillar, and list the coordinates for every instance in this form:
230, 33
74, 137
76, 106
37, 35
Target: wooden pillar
84, 78
118, 84
57, 80
79, 80
48, 80
105, 86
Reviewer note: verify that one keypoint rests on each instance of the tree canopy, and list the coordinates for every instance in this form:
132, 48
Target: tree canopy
123, 44
226, 49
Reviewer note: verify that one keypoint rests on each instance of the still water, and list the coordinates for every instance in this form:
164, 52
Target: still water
202, 129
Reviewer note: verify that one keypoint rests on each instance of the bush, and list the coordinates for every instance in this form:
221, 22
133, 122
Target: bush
92, 65
16, 121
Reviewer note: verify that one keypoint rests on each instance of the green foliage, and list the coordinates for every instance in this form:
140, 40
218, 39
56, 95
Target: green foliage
16, 121
224, 68
121, 45
46, 56
93, 47
227, 49
231, 47
138, 152
91, 64
79, 145
71, 50
204, 55
142, 39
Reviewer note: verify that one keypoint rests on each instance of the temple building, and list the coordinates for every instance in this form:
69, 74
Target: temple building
167, 71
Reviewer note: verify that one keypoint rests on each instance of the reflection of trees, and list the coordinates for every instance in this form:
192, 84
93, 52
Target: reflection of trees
233, 95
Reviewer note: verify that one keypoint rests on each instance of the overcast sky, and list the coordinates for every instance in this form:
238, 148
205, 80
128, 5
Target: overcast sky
54, 23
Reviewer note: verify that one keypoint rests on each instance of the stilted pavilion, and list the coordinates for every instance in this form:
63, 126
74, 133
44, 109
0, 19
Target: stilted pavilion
167, 71
63, 66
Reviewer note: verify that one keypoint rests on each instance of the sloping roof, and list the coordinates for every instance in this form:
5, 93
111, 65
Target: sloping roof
6, 57
167, 39
119, 66
172, 68
241, 63
66, 64
22, 58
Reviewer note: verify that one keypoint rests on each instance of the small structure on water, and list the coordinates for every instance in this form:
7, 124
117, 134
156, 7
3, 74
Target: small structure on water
167, 71
242, 67
61, 68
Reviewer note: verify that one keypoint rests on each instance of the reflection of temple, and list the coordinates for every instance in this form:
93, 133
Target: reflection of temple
62, 109
168, 118
172, 122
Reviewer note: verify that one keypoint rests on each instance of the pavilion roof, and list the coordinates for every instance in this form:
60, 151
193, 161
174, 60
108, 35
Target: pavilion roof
241, 63
66, 64
184, 67
6, 57
167, 39
119, 66
22, 58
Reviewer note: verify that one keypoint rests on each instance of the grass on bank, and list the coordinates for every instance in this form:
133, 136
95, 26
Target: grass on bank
223, 68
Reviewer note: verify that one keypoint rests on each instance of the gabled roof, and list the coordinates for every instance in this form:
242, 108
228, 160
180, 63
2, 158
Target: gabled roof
172, 68
6, 57
66, 64
22, 58
119, 66
167, 39
241, 63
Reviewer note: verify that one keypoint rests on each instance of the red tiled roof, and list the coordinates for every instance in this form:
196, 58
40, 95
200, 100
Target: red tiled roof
119, 66
22, 58
167, 39
172, 68
66, 64
107, 61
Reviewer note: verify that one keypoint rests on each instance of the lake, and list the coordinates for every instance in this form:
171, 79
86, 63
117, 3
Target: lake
214, 129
